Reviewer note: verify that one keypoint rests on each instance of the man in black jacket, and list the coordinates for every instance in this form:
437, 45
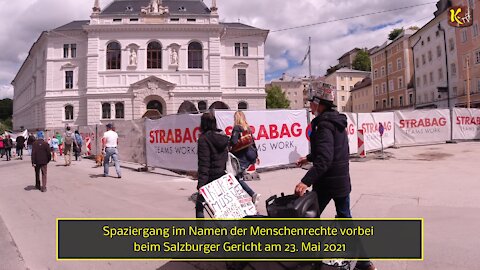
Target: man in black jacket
330, 175
41, 156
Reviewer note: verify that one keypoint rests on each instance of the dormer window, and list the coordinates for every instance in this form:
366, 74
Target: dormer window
182, 8
174, 19
117, 20
191, 20
129, 9
134, 19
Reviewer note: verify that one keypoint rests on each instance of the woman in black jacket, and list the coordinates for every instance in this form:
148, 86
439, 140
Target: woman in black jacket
212, 156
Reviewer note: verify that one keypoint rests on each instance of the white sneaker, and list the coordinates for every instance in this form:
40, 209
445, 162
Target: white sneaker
255, 198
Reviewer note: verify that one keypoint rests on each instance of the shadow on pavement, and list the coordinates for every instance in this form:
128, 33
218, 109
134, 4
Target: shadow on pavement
96, 175
30, 188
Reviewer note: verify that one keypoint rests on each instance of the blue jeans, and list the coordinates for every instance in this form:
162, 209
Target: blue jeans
342, 205
111, 152
29, 147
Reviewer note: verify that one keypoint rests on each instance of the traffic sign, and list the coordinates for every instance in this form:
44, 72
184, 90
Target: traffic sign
381, 129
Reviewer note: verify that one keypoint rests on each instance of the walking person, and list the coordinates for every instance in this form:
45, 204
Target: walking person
31, 139
8, 144
78, 146
109, 144
20, 144
212, 156
60, 143
41, 155
329, 153
243, 147
2, 147
68, 145
54, 145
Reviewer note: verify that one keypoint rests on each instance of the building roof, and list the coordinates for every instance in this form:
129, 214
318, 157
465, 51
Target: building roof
404, 33
75, 25
175, 7
349, 52
347, 70
237, 25
364, 83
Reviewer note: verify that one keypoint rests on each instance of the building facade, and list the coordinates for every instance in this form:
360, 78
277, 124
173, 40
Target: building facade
362, 96
346, 60
134, 55
344, 80
436, 67
392, 72
468, 53
296, 90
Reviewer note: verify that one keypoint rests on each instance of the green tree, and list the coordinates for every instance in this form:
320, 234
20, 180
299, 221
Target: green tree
362, 61
276, 98
6, 108
395, 33
5, 125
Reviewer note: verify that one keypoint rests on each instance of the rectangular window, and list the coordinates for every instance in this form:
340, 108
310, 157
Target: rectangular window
383, 71
475, 29
418, 81
439, 51
245, 49
376, 90
401, 101
410, 98
375, 74
191, 20
440, 74
453, 68
66, 48
477, 57
392, 102
117, 20
343, 98
424, 80
389, 70
451, 44
68, 79
424, 61
376, 104
106, 111
237, 49
417, 63
384, 88
430, 56
134, 19
391, 86
174, 19
242, 77
431, 77
399, 64
343, 88
400, 83
464, 35
73, 50
384, 104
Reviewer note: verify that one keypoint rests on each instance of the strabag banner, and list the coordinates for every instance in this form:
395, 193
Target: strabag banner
227, 199
280, 136
171, 142
466, 124
352, 132
424, 126
370, 123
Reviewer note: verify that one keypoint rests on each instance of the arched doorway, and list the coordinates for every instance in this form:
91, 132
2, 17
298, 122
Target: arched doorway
218, 105
187, 107
155, 105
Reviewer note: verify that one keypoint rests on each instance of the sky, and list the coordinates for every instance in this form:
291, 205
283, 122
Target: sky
23, 21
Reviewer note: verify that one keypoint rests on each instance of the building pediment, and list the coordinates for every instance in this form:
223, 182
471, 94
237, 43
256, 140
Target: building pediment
68, 66
241, 65
153, 82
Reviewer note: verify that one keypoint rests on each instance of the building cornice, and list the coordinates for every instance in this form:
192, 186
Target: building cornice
153, 27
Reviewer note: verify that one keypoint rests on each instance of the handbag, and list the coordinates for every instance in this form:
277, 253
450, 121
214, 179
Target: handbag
233, 165
245, 140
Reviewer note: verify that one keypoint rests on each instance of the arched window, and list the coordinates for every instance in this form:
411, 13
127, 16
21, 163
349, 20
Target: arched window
195, 55
154, 55
242, 105
114, 55
106, 113
69, 112
155, 105
119, 110
202, 106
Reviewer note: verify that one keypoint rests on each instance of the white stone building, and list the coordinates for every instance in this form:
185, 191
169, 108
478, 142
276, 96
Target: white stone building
174, 56
434, 65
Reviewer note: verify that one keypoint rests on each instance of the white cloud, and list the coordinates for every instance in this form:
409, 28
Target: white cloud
26, 19
6, 91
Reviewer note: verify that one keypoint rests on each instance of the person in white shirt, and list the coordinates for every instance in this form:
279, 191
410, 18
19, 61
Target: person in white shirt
109, 145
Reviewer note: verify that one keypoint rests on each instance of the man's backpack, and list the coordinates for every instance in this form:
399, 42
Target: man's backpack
68, 139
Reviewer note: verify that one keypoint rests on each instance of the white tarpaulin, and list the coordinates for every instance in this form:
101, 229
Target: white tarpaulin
14, 135
280, 136
227, 198
466, 124
422, 127
352, 132
370, 123
171, 142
